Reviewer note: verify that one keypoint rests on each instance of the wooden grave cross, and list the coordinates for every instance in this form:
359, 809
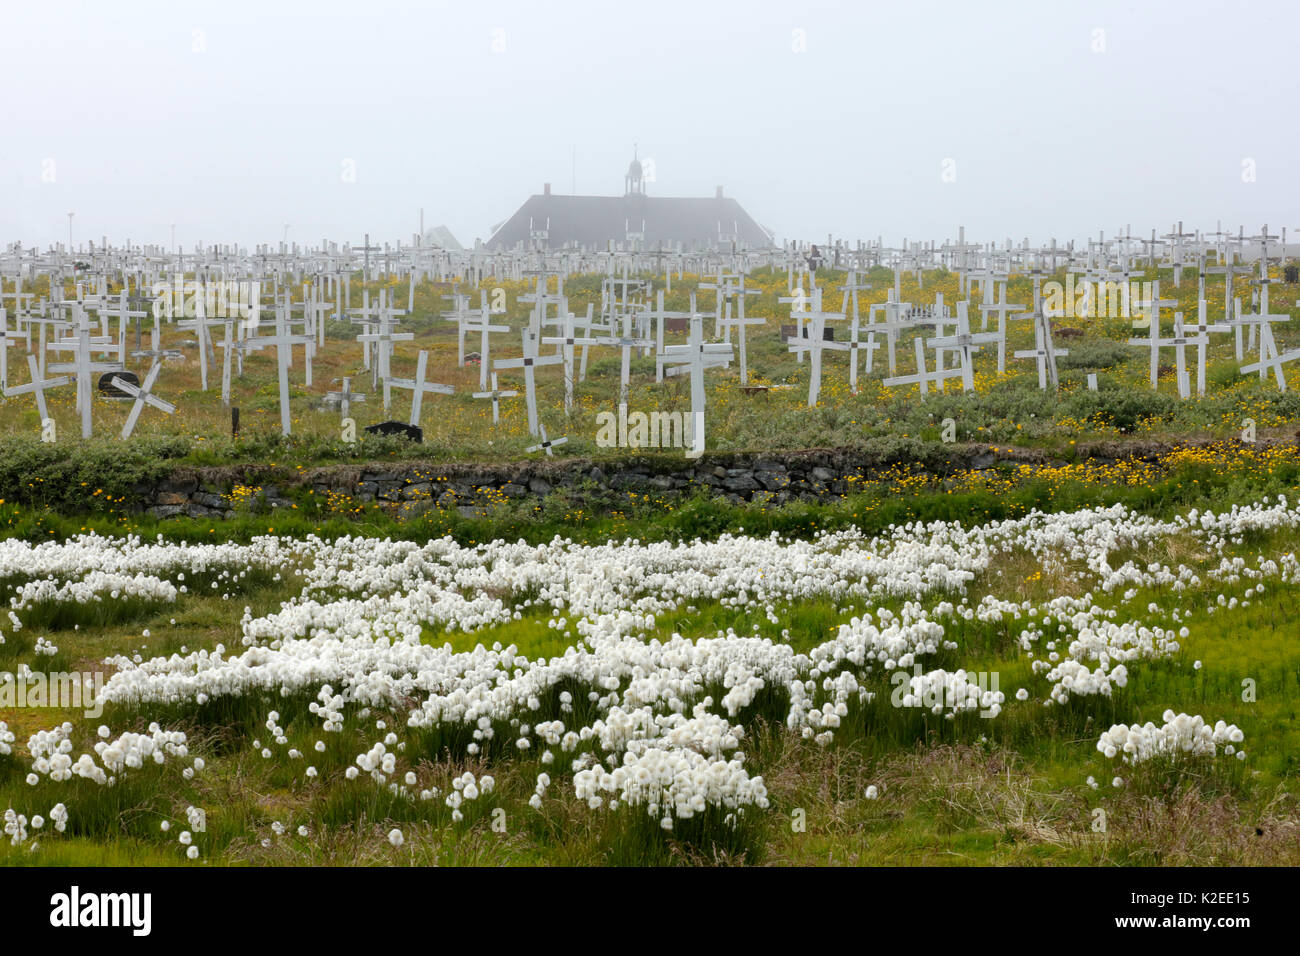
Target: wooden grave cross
143, 394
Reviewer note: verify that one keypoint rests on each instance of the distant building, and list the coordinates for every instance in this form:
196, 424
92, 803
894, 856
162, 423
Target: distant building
441, 238
593, 222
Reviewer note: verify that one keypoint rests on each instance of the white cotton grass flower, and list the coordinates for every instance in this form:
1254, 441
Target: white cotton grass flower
872, 793
1179, 736
351, 637
395, 837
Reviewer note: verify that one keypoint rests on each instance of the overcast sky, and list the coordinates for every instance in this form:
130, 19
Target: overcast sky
232, 119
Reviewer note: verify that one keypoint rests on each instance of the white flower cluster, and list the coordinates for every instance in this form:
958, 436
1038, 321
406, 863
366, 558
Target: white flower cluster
378, 762
539, 792
15, 827
951, 693
672, 784
1180, 734
355, 636
51, 751
92, 589
467, 788
6, 740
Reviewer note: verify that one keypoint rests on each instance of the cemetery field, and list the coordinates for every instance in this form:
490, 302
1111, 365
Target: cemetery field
1045, 616
1007, 408
857, 688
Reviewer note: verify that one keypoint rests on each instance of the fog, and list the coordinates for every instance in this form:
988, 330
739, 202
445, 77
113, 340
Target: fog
254, 122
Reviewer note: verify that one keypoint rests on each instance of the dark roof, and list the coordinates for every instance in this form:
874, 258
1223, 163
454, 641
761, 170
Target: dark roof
592, 221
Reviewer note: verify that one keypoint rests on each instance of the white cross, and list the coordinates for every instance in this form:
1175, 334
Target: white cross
199, 325
230, 346
923, 376
344, 398
1001, 306
896, 322
82, 345
156, 352
496, 395
1228, 269
740, 321
37, 387
284, 343
870, 345
566, 342
461, 315
383, 339
1043, 351
798, 303
547, 444
419, 386
1202, 340
316, 309
484, 328
143, 395
816, 343
529, 362
701, 355
1153, 341
48, 322
588, 324
851, 289
965, 344
367, 318
542, 298
121, 313
7, 339
1270, 358
1180, 343
660, 316
627, 342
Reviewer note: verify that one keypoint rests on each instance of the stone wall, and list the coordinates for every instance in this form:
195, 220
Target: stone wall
776, 477
807, 475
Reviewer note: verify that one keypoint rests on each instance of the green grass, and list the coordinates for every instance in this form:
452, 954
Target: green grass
75, 476
1005, 791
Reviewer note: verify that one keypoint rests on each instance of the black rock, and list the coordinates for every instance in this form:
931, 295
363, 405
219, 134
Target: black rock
413, 432
109, 390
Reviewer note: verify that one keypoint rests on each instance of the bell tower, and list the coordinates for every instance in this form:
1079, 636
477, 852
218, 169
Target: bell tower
633, 182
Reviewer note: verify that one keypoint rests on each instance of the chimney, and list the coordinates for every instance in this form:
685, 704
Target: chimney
719, 192
546, 189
